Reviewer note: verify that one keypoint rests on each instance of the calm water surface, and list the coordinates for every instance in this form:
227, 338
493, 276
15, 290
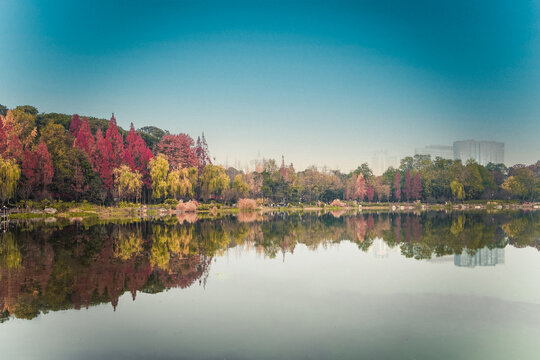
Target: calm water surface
310, 286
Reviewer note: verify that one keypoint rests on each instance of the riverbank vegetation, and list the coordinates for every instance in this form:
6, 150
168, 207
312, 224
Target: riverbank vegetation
58, 157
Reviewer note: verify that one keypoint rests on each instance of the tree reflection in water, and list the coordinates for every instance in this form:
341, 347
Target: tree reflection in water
44, 268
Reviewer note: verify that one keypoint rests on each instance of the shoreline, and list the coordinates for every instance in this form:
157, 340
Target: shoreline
112, 213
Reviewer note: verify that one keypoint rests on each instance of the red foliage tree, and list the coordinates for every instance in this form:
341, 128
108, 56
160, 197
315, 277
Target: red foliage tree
407, 186
397, 187
37, 169
117, 143
3, 137
102, 160
360, 188
128, 160
370, 193
179, 150
201, 150
416, 187
45, 172
75, 125
140, 154
84, 139
29, 168
14, 148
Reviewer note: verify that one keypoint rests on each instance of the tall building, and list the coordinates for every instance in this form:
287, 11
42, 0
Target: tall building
445, 152
483, 152
482, 257
382, 161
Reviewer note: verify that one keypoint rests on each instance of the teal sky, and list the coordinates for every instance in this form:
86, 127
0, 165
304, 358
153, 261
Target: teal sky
325, 83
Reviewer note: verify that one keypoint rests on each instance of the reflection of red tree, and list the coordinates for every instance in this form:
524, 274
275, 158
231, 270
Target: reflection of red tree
32, 276
106, 276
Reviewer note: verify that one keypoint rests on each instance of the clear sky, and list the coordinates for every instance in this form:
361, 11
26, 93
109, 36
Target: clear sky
324, 83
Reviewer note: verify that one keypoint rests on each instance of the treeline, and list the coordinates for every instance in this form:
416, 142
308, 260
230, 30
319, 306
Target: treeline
417, 178
57, 156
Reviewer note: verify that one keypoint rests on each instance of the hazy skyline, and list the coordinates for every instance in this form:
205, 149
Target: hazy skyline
322, 83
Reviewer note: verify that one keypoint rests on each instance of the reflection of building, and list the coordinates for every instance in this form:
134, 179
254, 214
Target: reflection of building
483, 152
380, 249
482, 257
382, 161
442, 151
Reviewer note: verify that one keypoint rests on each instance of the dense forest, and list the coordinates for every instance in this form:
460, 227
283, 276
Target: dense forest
71, 158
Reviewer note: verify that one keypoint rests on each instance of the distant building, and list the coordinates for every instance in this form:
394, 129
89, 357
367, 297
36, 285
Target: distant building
382, 161
445, 152
483, 152
482, 257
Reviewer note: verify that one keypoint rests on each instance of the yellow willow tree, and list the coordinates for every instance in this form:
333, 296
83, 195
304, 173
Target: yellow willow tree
10, 173
181, 182
457, 190
159, 168
214, 181
127, 183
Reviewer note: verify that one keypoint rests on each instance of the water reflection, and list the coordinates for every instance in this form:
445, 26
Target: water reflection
55, 267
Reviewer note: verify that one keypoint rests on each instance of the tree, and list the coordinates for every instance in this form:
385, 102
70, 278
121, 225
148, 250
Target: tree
27, 109
397, 186
128, 160
370, 193
360, 188
239, 186
128, 183
179, 150
3, 136
364, 169
407, 186
14, 149
117, 143
75, 125
24, 125
140, 154
523, 184
416, 187
10, 173
3, 110
181, 182
37, 169
201, 150
78, 184
102, 160
84, 139
214, 181
159, 169
457, 190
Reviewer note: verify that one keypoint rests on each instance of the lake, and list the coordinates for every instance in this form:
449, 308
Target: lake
434, 285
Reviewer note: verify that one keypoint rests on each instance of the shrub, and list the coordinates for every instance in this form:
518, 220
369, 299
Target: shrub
171, 203
337, 203
247, 204
190, 206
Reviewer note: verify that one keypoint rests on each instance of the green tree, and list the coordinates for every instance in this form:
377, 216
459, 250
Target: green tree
240, 187
159, 169
523, 184
181, 182
127, 183
10, 173
214, 181
364, 170
458, 192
